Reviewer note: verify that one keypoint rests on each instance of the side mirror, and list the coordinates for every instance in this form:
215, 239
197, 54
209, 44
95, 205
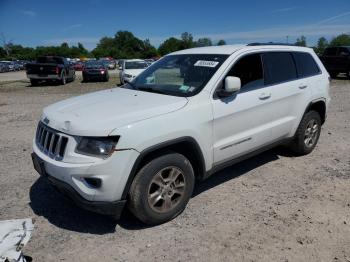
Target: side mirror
232, 85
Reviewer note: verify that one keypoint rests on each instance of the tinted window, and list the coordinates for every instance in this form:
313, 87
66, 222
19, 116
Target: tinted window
279, 67
249, 70
330, 51
306, 65
50, 60
343, 51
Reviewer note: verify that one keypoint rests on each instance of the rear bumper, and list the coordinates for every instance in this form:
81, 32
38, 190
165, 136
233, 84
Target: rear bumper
48, 77
114, 208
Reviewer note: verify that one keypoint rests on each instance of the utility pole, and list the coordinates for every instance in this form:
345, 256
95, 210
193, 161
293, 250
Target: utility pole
287, 37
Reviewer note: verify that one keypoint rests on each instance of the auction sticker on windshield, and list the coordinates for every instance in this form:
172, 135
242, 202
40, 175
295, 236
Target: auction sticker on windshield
206, 63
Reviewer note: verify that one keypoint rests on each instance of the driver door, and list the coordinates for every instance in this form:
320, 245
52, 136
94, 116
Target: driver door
242, 121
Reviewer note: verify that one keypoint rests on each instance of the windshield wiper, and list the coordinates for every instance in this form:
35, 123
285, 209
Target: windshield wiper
150, 89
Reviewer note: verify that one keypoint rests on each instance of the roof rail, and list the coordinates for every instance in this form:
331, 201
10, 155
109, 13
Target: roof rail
269, 43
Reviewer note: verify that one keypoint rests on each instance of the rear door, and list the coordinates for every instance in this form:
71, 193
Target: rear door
330, 59
343, 59
289, 93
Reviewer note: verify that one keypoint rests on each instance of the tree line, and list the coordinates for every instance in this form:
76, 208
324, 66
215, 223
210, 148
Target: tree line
125, 45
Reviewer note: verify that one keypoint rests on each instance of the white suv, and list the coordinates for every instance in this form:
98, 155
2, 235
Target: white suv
186, 116
131, 68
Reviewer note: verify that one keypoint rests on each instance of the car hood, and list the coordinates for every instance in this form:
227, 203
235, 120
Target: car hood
99, 113
133, 72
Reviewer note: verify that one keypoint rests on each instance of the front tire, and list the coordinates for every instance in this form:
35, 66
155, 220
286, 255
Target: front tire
162, 189
34, 82
307, 134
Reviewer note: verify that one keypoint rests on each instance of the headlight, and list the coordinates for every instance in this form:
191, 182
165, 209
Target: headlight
97, 146
128, 76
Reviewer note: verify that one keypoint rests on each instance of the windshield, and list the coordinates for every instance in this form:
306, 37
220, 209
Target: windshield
94, 65
135, 65
179, 75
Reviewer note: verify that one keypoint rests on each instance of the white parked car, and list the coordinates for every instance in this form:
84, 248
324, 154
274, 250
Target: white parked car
188, 115
130, 69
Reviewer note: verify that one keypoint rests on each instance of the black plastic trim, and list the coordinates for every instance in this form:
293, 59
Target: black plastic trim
161, 146
112, 208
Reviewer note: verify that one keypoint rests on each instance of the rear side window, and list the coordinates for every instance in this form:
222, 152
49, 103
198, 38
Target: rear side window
306, 65
330, 51
279, 67
343, 51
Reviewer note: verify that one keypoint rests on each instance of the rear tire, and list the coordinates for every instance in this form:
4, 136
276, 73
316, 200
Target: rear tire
161, 189
34, 82
63, 78
307, 134
333, 74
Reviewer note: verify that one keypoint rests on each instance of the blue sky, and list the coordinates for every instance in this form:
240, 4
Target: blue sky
40, 22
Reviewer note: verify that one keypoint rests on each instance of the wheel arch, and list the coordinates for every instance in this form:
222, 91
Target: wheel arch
186, 146
318, 106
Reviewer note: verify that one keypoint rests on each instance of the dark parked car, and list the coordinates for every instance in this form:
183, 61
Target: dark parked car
337, 60
78, 66
50, 68
95, 70
4, 67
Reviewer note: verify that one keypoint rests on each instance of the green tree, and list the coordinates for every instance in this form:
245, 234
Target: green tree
187, 40
205, 41
172, 44
322, 44
301, 41
221, 42
341, 40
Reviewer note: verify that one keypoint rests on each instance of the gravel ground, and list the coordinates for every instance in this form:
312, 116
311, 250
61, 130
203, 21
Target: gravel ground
273, 207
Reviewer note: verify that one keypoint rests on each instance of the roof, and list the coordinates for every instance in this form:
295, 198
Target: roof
133, 60
229, 49
222, 49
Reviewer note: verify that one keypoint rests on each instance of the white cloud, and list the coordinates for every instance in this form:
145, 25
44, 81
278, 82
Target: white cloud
333, 18
282, 10
88, 42
30, 13
72, 27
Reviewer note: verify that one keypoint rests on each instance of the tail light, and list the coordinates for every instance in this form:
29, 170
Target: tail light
57, 70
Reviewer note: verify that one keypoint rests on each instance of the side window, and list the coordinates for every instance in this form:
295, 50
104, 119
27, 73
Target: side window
343, 51
279, 67
306, 65
249, 70
331, 51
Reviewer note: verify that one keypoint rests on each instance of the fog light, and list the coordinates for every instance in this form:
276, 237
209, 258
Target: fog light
93, 182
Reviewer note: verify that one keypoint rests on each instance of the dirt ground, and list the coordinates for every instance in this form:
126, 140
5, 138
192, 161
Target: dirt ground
273, 207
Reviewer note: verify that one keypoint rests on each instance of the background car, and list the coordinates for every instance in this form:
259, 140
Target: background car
130, 69
109, 63
337, 60
95, 70
78, 66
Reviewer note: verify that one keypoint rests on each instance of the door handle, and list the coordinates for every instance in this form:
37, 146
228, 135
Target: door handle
264, 96
302, 86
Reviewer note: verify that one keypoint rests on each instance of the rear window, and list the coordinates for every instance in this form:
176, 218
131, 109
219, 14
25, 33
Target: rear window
50, 60
330, 51
279, 67
306, 65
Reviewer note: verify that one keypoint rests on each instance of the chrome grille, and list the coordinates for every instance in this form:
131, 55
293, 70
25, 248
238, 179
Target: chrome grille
51, 142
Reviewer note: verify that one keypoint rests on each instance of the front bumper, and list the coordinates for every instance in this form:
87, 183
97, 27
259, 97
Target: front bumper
114, 208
